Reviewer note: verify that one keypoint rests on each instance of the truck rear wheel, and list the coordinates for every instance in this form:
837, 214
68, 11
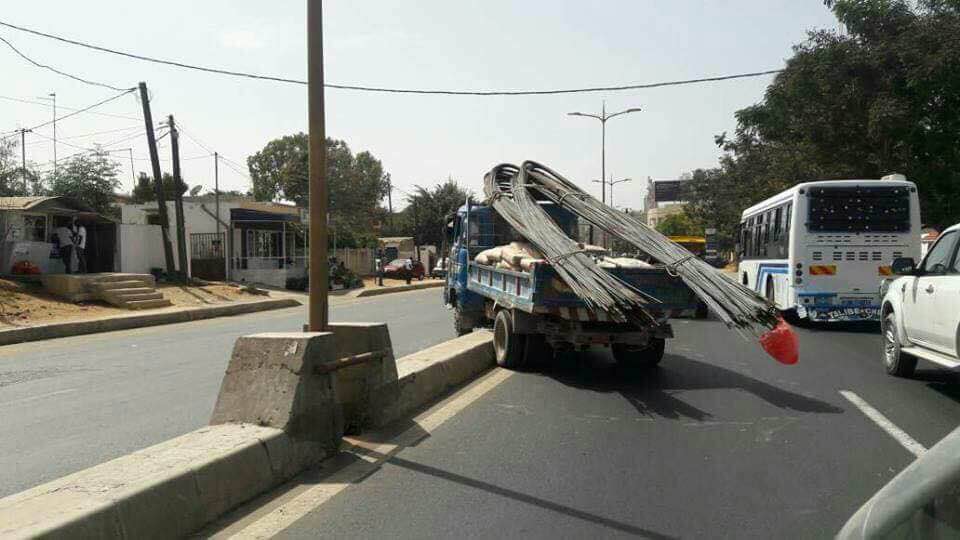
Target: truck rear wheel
462, 323
507, 344
641, 357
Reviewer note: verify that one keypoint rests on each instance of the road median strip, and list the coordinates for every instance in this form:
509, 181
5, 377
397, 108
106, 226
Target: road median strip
363, 293
277, 414
126, 322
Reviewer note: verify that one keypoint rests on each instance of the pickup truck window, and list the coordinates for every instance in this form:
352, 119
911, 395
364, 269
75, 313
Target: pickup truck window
938, 260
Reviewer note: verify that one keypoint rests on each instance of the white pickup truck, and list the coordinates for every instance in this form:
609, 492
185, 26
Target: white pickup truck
920, 313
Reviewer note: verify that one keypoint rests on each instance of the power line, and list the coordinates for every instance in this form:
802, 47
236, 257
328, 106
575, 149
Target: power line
92, 134
380, 89
57, 71
32, 102
78, 111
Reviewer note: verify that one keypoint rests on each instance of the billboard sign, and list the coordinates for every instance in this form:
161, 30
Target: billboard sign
669, 190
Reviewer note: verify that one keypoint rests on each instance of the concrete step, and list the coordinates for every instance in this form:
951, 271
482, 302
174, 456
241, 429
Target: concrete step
124, 298
126, 291
116, 285
148, 279
148, 304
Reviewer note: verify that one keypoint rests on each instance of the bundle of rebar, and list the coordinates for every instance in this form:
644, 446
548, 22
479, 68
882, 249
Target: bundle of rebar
734, 304
599, 289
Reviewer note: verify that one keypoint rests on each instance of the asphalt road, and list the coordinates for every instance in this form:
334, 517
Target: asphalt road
71, 403
719, 442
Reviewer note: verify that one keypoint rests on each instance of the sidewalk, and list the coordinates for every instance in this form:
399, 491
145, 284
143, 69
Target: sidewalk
117, 319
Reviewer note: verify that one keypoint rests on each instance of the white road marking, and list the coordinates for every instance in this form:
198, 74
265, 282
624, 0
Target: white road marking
41, 396
885, 424
302, 499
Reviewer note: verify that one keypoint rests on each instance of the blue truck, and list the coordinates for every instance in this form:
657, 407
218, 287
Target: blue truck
534, 313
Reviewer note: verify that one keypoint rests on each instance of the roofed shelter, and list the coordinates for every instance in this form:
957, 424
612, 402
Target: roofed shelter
28, 226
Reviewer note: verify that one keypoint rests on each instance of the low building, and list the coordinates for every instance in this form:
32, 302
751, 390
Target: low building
247, 241
29, 241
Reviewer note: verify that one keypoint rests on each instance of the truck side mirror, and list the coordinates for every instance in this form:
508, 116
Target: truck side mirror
904, 266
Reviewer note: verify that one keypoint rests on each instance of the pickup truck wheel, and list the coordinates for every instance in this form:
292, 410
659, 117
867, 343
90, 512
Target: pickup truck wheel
894, 360
643, 357
462, 323
507, 344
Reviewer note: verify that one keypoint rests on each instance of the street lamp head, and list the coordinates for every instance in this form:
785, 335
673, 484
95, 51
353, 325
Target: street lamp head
575, 114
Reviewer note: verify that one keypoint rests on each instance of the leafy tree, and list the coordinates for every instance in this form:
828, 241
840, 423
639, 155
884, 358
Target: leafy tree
880, 98
356, 183
11, 171
679, 225
90, 178
427, 210
145, 191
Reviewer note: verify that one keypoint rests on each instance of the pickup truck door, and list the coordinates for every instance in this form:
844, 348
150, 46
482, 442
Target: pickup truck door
931, 300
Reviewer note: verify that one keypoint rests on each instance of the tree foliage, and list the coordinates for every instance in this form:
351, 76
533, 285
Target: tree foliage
145, 190
881, 98
11, 171
679, 225
356, 183
427, 210
90, 178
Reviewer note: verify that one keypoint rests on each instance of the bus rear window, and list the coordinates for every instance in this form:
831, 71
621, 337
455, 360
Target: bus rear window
859, 209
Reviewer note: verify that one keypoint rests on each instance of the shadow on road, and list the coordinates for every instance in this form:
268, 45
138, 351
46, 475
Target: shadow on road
524, 498
652, 391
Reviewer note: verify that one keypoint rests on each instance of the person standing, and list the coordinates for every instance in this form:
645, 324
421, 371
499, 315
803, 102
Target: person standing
66, 247
78, 236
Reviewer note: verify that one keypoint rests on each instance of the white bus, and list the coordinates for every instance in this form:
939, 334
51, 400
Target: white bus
819, 250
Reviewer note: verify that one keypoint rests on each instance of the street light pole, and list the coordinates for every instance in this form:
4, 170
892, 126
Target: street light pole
615, 182
603, 117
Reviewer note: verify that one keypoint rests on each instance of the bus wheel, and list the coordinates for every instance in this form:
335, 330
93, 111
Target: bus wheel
771, 292
641, 357
507, 344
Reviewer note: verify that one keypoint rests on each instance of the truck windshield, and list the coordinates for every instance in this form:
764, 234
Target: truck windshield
859, 209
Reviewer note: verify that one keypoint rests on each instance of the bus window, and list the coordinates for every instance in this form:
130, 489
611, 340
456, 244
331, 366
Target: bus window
786, 219
777, 224
758, 235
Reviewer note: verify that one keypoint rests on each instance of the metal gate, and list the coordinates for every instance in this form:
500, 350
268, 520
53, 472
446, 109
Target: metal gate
207, 256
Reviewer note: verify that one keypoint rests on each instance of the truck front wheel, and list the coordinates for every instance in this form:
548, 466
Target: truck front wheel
507, 344
642, 357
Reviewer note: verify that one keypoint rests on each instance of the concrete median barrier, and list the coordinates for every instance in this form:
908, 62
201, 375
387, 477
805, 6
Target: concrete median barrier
278, 413
416, 286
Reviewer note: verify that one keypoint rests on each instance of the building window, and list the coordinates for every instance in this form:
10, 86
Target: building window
35, 228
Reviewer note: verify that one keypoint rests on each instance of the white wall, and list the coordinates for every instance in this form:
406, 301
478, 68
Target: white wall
140, 248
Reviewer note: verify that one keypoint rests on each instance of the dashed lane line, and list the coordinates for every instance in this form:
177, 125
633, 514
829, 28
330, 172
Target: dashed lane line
885, 424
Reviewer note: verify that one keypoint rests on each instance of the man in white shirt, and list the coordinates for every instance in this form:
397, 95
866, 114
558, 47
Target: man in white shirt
78, 236
65, 247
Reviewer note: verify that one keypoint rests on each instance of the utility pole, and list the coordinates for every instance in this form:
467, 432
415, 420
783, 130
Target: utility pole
23, 157
390, 200
178, 200
54, 96
319, 271
133, 171
603, 117
216, 193
157, 180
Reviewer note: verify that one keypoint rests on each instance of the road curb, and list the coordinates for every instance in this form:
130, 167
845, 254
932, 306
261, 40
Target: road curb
363, 293
174, 488
126, 322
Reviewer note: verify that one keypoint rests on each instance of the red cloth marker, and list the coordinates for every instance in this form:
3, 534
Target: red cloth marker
781, 343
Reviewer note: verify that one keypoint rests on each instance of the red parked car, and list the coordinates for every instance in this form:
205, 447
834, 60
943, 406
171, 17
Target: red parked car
397, 269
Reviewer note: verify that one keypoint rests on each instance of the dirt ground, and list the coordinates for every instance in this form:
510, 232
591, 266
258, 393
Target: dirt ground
24, 304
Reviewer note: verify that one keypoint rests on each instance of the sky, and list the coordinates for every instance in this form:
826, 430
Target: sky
421, 140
